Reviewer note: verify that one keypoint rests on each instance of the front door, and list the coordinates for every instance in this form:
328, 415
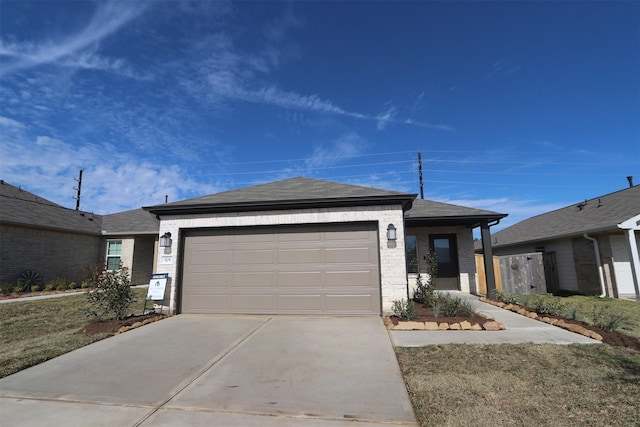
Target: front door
446, 250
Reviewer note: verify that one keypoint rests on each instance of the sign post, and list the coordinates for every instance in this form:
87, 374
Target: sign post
157, 287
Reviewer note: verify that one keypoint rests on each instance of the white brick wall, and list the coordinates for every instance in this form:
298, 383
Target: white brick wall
393, 276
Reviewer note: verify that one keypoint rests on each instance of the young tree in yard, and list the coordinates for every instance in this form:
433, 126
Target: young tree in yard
111, 294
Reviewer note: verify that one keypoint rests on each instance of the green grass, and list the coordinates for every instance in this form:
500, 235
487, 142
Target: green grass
588, 306
32, 332
521, 385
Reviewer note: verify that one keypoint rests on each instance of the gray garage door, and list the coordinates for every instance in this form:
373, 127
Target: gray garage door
313, 269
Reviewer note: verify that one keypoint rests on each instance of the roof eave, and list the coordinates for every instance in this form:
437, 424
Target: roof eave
467, 220
556, 237
404, 200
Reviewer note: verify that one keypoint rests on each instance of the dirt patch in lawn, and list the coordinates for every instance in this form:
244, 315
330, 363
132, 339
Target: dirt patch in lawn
425, 314
113, 326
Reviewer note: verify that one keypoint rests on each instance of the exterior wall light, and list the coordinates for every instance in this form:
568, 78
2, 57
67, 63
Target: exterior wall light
165, 240
391, 232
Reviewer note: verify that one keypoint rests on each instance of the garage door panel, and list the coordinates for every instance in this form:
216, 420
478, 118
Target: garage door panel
253, 303
309, 269
299, 256
207, 303
211, 258
256, 280
349, 278
299, 303
361, 303
307, 279
211, 280
347, 255
254, 257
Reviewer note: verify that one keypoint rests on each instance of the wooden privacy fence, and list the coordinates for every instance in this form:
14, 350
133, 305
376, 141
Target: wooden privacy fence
516, 274
482, 276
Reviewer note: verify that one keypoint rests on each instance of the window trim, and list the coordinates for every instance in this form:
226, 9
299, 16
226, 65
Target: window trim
109, 257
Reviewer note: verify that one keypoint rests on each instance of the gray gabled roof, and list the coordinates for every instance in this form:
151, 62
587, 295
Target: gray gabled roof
286, 194
136, 221
22, 208
590, 216
428, 212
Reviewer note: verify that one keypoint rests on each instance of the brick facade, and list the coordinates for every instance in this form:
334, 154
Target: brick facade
50, 253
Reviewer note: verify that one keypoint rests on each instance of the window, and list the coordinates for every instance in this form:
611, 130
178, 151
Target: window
114, 254
411, 253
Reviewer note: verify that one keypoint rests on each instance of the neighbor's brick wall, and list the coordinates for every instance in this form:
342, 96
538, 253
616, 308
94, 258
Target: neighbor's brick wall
50, 253
393, 276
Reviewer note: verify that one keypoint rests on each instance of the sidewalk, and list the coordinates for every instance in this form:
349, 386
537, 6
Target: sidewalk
519, 330
39, 297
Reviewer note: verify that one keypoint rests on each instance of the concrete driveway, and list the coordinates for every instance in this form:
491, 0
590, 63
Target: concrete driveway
219, 370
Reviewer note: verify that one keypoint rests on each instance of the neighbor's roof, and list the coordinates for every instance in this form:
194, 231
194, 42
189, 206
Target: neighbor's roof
590, 216
428, 212
287, 194
20, 207
136, 221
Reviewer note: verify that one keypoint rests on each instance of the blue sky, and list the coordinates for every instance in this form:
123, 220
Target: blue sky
518, 107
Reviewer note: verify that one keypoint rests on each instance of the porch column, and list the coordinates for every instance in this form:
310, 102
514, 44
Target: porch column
487, 256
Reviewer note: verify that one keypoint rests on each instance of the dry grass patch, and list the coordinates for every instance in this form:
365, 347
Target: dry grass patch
32, 332
518, 385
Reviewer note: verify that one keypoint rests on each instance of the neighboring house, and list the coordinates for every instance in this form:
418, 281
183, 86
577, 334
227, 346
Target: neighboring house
593, 245
37, 234
303, 246
131, 237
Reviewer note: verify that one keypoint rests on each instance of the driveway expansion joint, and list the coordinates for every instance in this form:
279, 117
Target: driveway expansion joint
208, 366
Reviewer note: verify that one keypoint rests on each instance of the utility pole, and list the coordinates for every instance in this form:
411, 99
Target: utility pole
420, 172
79, 189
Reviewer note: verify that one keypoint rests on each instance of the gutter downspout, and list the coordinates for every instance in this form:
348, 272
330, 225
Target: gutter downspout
596, 250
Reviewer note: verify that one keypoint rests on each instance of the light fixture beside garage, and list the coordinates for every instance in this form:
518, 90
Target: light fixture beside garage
391, 233
165, 240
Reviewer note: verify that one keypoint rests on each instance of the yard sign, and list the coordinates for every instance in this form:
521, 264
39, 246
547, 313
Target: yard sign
157, 286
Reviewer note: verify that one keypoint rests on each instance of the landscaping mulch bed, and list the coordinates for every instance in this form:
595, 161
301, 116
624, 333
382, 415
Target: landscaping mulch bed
425, 314
112, 326
614, 338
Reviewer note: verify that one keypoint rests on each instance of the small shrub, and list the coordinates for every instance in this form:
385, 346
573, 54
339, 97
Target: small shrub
35, 288
505, 297
6, 288
612, 321
113, 294
552, 306
424, 294
48, 287
404, 309
450, 305
84, 284
72, 285
468, 308
436, 308
17, 289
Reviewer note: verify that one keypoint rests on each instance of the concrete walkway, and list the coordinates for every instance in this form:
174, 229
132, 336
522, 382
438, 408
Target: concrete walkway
519, 330
219, 370
29, 297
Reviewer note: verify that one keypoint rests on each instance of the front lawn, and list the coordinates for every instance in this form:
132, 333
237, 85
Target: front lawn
32, 332
522, 385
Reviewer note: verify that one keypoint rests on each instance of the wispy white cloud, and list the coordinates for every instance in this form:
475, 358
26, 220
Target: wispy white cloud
8, 123
109, 17
346, 146
113, 181
502, 67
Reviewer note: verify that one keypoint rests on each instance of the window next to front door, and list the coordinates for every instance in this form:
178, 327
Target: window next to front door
114, 254
446, 251
411, 253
